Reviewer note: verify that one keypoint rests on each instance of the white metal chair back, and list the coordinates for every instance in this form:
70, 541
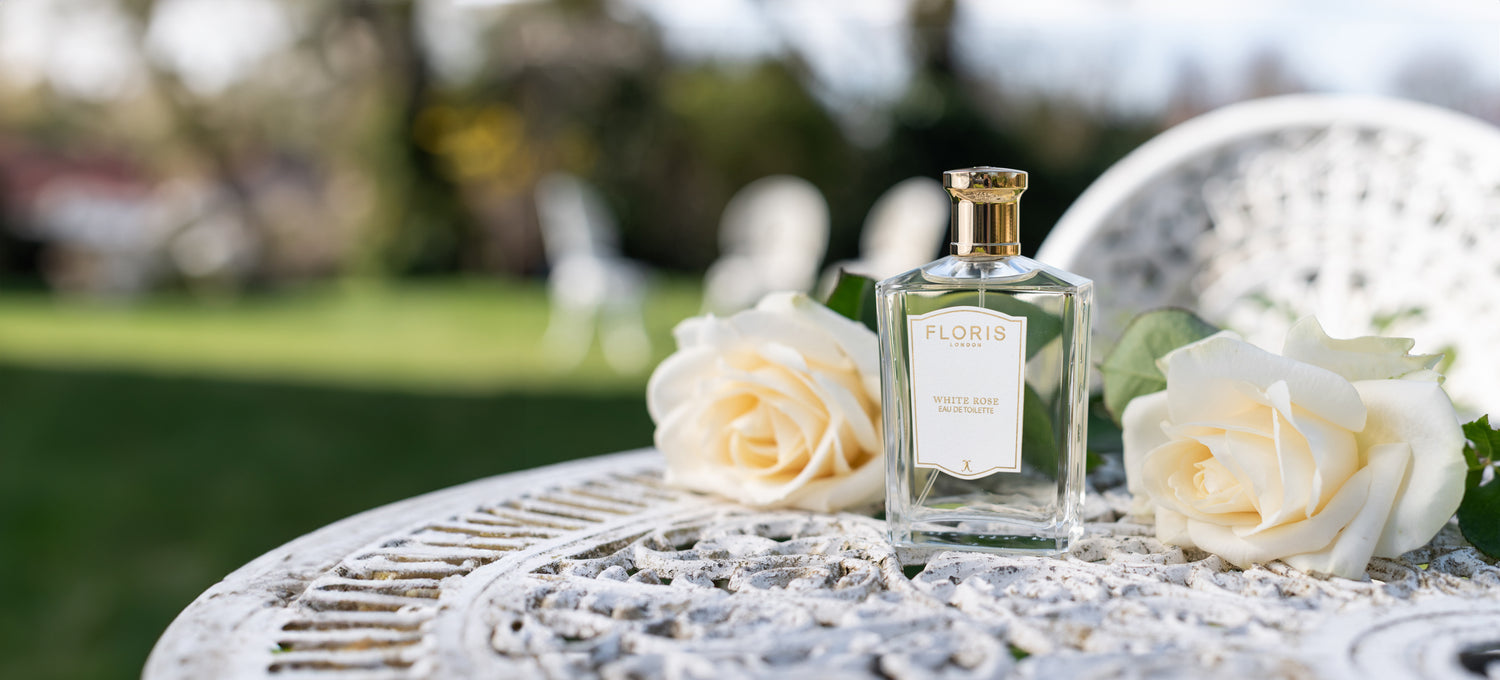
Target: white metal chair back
773, 236
590, 286
904, 229
574, 219
1377, 215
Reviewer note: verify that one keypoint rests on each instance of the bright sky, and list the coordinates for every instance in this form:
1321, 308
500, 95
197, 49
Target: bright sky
1121, 54
1135, 49
212, 44
1126, 54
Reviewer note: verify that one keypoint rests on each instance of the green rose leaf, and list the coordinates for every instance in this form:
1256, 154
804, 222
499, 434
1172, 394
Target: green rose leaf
1479, 518
1042, 327
853, 296
1038, 444
1130, 369
1479, 514
1484, 443
1104, 435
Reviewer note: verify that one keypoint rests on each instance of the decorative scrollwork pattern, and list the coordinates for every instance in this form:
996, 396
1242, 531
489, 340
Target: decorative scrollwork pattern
600, 571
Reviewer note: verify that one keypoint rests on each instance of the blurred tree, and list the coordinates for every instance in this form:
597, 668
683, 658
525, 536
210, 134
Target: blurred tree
418, 225
566, 86
719, 130
940, 124
192, 127
1191, 95
956, 117
573, 86
1268, 74
1449, 81
347, 150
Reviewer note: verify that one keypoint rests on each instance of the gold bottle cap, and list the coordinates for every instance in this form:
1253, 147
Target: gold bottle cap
986, 216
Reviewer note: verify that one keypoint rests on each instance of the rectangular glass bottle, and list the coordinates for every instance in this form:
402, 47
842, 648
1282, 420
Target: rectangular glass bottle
985, 385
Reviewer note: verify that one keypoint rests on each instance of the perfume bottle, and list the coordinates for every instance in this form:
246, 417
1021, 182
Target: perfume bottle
985, 384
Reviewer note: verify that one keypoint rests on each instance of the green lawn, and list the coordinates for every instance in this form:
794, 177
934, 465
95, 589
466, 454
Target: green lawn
447, 336
146, 452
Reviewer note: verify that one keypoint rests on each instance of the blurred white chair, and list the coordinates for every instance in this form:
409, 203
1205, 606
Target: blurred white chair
905, 229
1377, 215
591, 287
773, 235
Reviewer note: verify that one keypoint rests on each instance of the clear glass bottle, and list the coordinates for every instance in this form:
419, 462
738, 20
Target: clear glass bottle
985, 384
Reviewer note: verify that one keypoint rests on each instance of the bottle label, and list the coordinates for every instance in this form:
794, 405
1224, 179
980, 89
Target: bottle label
967, 385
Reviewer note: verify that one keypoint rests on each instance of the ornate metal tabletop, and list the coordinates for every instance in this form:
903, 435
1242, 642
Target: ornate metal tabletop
596, 569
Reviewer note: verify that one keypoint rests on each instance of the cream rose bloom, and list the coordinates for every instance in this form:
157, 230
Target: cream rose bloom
774, 406
1333, 452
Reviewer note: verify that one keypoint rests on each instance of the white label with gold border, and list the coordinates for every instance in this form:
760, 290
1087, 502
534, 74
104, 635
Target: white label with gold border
967, 388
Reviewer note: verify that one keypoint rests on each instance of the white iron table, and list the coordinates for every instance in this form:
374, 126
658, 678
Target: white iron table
596, 569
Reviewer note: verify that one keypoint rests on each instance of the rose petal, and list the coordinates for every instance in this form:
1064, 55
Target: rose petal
857, 342
783, 356
701, 331
754, 458
1363, 358
1242, 549
1254, 421
760, 328
677, 380
1330, 449
775, 406
1142, 431
839, 461
866, 484
1421, 415
789, 393
1202, 377
1350, 553
842, 403
692, 462
1220, 491
1168, 473
1294, 462
1172, 528
751, 444
819, 334
671, 437
818, 466
781, 388
1252, 458
1158, 468
786, 430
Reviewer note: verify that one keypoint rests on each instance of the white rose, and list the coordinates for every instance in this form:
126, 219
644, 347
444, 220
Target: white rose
774, 406
1334, 452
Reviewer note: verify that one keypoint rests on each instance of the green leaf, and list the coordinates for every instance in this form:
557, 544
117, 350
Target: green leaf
1479, 518
853, 296
1484, 443
1130, 369
1038, 441
1104, 435
1479, 514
